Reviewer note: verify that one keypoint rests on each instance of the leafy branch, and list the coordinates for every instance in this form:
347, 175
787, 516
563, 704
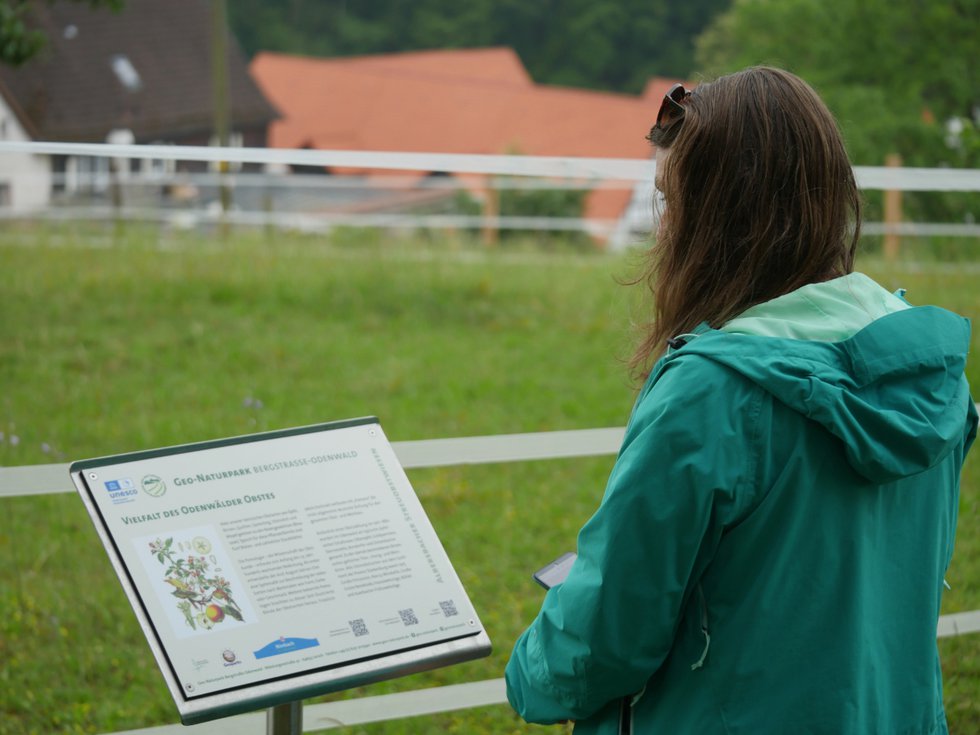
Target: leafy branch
204, 597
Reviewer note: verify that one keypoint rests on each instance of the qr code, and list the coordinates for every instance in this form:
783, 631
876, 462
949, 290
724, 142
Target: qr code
358, 627
448, 608
408, 617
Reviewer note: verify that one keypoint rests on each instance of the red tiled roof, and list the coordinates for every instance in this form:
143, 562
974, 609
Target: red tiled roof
452, 101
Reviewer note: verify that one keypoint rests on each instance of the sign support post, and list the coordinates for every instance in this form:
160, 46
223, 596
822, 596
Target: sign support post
284, 719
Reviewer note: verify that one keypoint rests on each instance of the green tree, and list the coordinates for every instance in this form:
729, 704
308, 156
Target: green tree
894, 71
900, 75
18, 41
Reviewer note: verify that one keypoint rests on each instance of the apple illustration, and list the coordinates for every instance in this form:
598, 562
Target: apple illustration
215, 614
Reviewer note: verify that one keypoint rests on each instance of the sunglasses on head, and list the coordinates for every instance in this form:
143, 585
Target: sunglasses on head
672, 108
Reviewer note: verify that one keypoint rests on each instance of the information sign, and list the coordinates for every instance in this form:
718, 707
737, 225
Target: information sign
273, 567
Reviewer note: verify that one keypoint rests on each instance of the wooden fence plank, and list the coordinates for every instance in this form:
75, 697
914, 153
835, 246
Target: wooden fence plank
43, 479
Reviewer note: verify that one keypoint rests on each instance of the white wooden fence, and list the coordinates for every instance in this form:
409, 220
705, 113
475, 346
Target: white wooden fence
275, 199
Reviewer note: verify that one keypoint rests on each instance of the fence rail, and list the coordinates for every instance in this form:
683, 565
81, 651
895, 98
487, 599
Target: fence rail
191, 218
625, 169
141, 183
187, 219
45, 479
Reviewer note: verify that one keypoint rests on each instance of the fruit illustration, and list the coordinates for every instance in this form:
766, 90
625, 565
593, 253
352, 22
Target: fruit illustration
197, 588
185, 607
180, 589
201, 545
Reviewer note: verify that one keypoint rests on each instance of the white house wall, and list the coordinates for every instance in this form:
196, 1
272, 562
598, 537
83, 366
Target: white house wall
26, 177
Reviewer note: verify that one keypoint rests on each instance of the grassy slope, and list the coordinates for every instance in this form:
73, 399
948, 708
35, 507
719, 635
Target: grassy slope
133, 346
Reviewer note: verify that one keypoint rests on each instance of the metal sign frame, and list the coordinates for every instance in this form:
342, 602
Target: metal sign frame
463, 645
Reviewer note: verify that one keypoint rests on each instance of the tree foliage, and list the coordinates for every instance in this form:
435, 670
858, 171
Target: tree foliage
612, 45
894, 71
18, 41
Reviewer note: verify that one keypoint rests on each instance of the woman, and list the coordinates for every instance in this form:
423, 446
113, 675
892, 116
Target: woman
769, 553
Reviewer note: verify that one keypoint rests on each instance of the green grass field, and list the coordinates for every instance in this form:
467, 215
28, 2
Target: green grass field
111, 344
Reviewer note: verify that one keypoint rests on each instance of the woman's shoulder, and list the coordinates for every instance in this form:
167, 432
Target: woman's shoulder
695, 372
693, 390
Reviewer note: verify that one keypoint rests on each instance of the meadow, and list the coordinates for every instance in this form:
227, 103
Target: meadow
126, 340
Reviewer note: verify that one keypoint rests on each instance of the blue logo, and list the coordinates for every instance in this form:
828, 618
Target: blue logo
285, 645
121, 491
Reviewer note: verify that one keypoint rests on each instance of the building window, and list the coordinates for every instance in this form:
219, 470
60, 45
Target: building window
59, 174
159, 166
235, 140
92, 173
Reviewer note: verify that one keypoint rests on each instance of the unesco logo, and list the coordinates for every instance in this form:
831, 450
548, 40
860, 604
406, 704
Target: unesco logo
153, 486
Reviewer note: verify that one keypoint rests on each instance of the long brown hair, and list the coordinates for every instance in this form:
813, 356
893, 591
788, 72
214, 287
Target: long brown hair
759, 199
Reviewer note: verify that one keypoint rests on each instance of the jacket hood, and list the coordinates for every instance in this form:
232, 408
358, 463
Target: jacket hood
894, 391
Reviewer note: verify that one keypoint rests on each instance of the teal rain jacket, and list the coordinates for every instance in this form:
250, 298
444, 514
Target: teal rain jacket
769, 553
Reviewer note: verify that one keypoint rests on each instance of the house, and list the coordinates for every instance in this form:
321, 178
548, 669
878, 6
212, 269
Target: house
477, 101
140, 75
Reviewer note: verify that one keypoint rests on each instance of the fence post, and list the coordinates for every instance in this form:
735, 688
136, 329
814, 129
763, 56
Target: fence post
219, 97
268, 228
116, 196
893, 212
491, 210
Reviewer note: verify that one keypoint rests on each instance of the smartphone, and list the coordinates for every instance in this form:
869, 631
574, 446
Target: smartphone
555, 572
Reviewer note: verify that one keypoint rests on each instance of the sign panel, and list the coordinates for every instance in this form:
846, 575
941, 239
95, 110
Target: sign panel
274, 567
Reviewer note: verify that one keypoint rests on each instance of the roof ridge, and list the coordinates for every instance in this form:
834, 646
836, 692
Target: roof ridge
395, 65
394, 56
